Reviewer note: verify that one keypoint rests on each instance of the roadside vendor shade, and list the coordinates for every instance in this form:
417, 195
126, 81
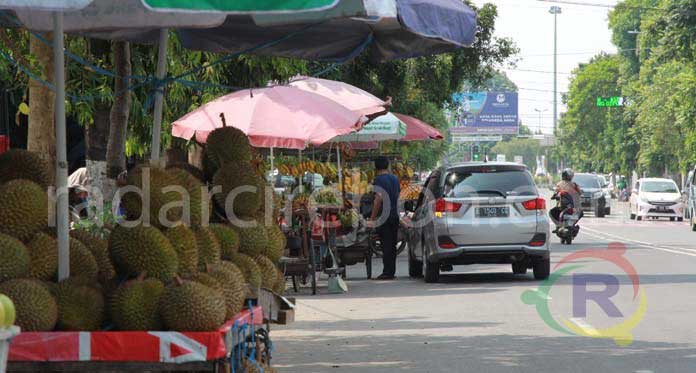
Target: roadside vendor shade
345, 94
279, 117
417, 28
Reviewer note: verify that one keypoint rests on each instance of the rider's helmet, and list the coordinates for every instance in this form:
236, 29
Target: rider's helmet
567, 174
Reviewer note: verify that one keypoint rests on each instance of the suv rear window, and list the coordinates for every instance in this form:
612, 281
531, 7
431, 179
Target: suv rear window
587, 181
488, 181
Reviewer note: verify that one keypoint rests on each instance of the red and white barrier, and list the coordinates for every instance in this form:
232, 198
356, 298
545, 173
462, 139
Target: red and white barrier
151, 346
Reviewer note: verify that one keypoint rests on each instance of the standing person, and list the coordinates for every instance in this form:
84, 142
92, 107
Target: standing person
387, 192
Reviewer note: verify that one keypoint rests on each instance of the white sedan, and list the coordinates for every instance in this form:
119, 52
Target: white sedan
656, 198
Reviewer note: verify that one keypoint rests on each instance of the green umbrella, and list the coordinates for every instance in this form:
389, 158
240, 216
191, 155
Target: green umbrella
240, 6
384, 128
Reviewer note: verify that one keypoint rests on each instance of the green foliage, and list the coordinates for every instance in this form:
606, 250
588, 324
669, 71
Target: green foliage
527, 148
656, 131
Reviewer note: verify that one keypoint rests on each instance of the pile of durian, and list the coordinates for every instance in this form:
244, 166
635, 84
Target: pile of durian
193, 276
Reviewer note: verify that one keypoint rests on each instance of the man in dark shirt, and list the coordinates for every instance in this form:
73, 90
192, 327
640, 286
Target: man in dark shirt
385, 215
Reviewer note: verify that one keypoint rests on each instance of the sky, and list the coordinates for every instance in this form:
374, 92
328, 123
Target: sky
583, 32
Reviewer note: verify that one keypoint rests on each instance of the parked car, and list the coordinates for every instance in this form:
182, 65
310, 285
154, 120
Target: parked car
656, 198
479, 213
592, 199
689, 198
607, 187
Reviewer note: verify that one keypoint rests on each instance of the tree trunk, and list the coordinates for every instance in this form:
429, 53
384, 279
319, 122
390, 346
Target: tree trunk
97, 136
41, 136
120, 110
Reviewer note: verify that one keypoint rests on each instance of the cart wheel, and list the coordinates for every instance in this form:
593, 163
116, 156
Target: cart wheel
368, 265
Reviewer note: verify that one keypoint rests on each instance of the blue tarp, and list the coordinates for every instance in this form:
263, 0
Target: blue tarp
421, 27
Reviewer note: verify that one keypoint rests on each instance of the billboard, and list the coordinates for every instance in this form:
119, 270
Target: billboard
485, 113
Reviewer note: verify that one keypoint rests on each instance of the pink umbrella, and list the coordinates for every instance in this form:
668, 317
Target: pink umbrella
347, 95
278, 116
417, 130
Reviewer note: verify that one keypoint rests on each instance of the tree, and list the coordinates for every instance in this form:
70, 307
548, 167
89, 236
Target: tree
42, 134
527, 148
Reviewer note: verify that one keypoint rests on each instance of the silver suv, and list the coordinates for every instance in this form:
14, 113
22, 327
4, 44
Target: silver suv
479, 213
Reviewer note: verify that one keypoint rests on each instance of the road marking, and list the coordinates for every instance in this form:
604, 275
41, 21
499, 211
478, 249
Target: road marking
675, 250
585, 326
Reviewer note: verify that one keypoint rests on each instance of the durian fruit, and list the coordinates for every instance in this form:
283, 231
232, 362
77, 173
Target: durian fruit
251, 271
254, 240
269, 272
191, 306
228, 239
24, 207
208, 247
80, 308
14, 258
232, 176
193, 188
100, 250
279, 287
36, 309
143, 249
227, 145
135, 305
184, 242
24, 164
162, 199
191, 169
207, 280
233, 285
82, 262
43, 251
277, 241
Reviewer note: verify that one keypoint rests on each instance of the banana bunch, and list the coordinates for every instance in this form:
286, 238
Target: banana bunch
297, 169
401, 170
300, 202
356, 181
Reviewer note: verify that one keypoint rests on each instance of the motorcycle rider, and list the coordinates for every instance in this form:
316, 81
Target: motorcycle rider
566, 185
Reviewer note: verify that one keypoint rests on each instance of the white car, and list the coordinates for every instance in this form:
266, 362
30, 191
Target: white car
656, 198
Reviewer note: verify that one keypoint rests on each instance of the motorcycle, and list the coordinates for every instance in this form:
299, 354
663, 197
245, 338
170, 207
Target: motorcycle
566, 217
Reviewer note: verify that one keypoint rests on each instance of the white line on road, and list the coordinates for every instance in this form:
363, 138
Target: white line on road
674, 250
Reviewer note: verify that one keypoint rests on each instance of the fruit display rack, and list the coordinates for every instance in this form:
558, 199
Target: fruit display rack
135, 351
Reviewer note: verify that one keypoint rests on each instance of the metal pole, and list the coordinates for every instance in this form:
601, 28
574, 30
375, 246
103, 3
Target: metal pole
159, 96
301, 176
272, 167
340, 171
555, 10
62, 220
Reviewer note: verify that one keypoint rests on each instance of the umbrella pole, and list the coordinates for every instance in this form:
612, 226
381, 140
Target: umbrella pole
62, 220
340, 171
272, 167
159, 96
301, 176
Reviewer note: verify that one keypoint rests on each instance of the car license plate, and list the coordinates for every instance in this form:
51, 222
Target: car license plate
492, 212
661, 208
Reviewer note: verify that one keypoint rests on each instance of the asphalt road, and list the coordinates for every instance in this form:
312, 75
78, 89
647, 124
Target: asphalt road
475, 319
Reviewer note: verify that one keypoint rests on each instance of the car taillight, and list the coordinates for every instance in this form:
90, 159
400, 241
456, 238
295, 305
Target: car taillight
445, 206
535, 204
538, 240
446, 243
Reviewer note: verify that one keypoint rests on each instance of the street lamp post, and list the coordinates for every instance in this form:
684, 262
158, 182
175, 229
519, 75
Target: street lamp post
555, 10
540, 112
